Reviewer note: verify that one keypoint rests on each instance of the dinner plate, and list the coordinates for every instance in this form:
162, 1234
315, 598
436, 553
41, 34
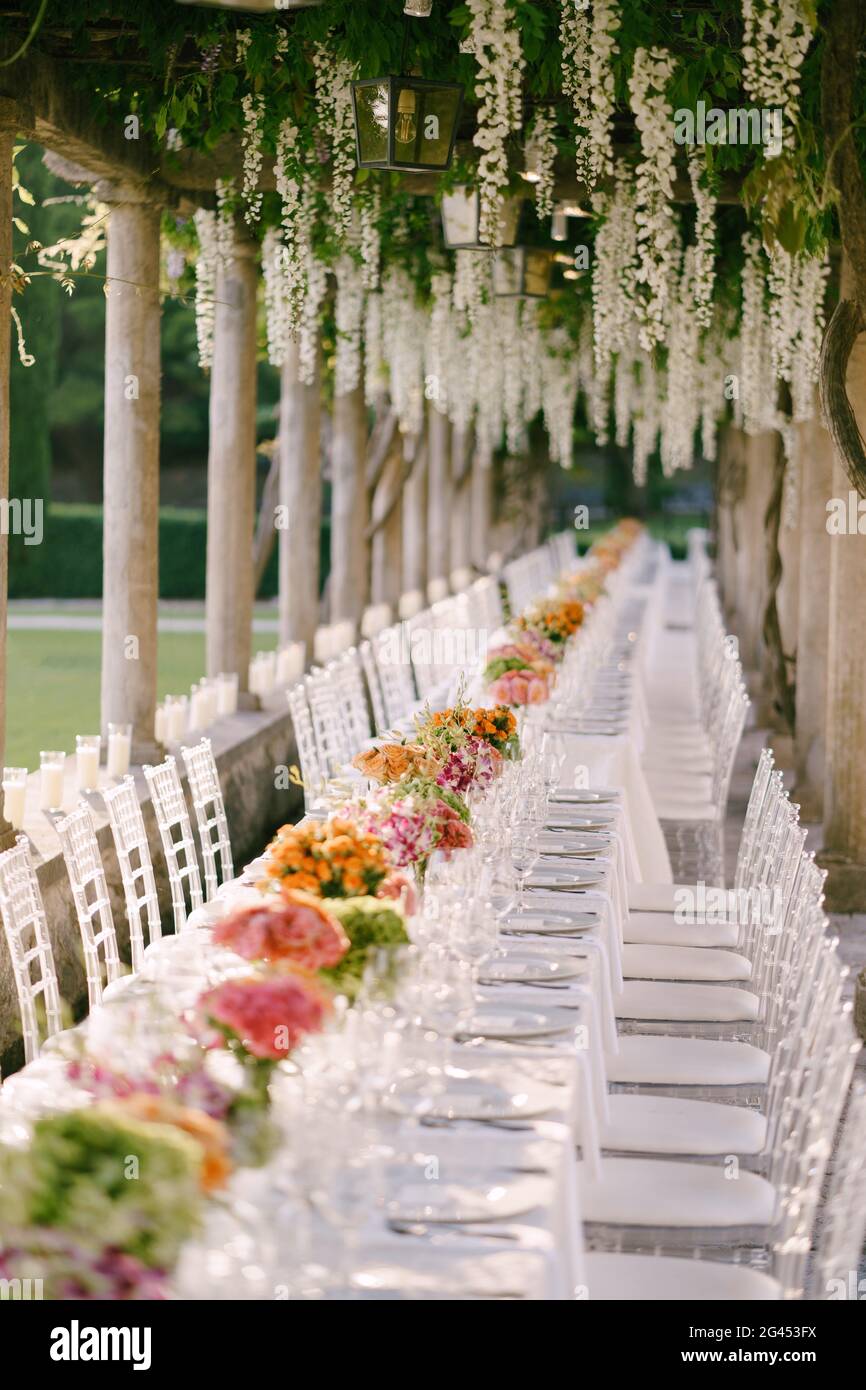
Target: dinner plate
543, 920
480, 1096
495, 1196
580, 796
492, 1020
559, 878
526, 967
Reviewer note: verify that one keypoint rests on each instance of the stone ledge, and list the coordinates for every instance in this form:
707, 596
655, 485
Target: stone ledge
248, 747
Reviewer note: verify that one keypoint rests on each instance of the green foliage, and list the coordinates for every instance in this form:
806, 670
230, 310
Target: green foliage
370, 925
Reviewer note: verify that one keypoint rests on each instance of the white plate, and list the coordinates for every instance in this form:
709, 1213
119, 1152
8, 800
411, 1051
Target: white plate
550, 921
481, 1096
526, 968
582, 796
492, 1020
496, 1197
558, 878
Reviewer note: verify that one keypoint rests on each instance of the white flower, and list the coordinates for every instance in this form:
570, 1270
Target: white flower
776, 37
371, 249
333, 96
205, 284
495, 40
705, 240
253, 108
349, 310
276, 317
540, 156
587, 34
657, 235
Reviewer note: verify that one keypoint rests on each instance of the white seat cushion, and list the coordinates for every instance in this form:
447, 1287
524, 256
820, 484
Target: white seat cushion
662, 929
650, 1059
656, 962
656, 897
661, 1278
675, 783
658, 1192
668, 1125
682, 1003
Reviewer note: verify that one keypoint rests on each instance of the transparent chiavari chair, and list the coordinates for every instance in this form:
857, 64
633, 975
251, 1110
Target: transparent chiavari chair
26, 931
348, 679
175, 833
84, 865
210, 815
333, 738
489, 596
313, 772
136, 866
374, 685
391, 649
420, 635
835, 1269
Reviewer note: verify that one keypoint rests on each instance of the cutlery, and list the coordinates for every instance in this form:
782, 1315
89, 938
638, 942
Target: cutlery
455, 1228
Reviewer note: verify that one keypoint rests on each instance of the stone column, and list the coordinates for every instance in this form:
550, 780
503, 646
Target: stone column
300, 518
414, 504
460, 522
816, 482
130, 528
844, 852
231, 470
439, 507
349, 557
8, 127
482, 506
752, 554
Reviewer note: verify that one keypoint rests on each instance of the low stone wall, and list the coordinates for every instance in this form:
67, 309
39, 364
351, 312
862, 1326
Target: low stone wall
249, 748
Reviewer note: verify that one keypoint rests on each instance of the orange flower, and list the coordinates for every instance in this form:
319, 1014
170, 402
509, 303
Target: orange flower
208, 1133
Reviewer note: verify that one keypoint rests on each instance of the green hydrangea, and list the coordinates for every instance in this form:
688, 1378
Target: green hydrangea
369, 923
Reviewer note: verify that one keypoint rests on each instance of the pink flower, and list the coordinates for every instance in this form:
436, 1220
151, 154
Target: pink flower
295, 927
269, 1016
519, 688
454, 833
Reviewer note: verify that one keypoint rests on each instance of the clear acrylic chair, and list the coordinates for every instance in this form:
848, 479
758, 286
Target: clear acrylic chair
26, 931
210, 815
136, 867
391, 649
77, 836
836, 1266
175, 833
333, 737
374, 686
313, 772
346, 675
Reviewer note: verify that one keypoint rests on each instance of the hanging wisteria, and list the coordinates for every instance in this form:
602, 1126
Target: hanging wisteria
756, 377
371, 241
291, 180
472, 282
276, 319
540, 157
681, 409
656, 226
375, 369
403, 338
336, 126
205, 284
439, 341
308, 338
588, 31
776, 36
811, 289
705, 239
225, 223
495, 42
251, 142
613, 272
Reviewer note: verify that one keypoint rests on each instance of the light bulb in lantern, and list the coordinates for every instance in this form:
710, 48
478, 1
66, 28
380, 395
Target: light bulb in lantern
571, 275
559, 226
406, 125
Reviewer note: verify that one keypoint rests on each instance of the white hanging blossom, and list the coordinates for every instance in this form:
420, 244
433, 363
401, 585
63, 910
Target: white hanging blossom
375, 367
495, 42
472, 282
225, 221
205, 284
811, 288
333, 95
624, 391
757, 378
776, 37
308, 338
511, 349
587, 32
404, 333
348, 313
613, 270
540, 157
656, 226
253, 108
295, 236
371, 241
681, 409
560, 383
531, 352
276, 317
650, 393
705, 240
486, 350
439, 341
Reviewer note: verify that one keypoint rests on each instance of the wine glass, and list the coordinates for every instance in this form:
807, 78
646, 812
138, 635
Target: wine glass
524, 853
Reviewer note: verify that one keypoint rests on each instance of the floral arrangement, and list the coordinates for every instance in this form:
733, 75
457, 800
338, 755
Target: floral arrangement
555, 620
370, 925
391, 761
418, 816
63, 1269
210, 1135
293, 929
263, 1017
475, 764
336, 858
108, 1180
189, 1084
518, 685
497, 726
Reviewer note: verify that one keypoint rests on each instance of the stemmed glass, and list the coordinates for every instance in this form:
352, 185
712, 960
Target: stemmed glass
524, 853
473, 938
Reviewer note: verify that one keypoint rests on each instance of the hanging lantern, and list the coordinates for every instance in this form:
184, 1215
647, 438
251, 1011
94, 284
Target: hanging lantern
255, 6
418, 9
522, 272
559, 226
461, 219
406, 122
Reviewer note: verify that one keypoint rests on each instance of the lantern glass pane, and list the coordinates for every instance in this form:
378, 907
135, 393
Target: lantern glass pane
508, 272
509, 219
536, 275
371, 121
423, 124
460, 217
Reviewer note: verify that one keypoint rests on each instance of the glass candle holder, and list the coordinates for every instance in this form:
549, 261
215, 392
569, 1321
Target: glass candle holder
87, 748
119, 749
227, 692
160, 726
176, 715
14, 786
51, 768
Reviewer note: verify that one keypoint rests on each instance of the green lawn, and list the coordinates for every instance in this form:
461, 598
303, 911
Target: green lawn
52, 690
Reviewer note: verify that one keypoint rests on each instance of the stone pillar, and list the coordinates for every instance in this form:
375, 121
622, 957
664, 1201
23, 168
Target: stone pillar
482, 505
415, 521
816, 482
439, 494
231, 469
300, 520
788, 592
461, 502
349, 557
8, 127
387, 551
844, 852
752, 553
130, 528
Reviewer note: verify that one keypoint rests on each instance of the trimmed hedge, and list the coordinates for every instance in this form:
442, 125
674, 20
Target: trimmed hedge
68, 563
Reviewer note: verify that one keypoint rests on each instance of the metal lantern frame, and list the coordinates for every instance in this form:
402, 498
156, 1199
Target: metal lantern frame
520, 259
510, 206
393, 86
